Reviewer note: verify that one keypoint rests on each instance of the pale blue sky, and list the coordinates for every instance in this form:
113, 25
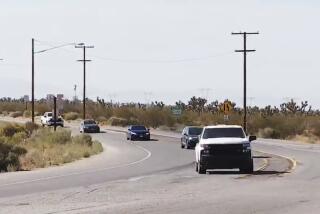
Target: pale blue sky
146, 37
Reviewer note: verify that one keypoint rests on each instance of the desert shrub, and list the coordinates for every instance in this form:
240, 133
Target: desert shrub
84, 139
313, 126
268, 133
8, 130
9, 157
18, 138
27, 114
116, 121
16, 114
41, 108
59, 137
31, 127
71, 116
49, 137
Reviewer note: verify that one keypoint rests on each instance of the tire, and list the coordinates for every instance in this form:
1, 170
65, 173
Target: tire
196, 166
187, 146
201, 169
182, 146
248, 169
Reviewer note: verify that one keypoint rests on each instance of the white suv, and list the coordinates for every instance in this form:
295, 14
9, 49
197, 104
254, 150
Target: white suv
224, 147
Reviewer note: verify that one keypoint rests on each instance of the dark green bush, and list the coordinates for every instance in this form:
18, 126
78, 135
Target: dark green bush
9, 157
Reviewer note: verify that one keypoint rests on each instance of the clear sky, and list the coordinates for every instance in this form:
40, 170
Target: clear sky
163, 49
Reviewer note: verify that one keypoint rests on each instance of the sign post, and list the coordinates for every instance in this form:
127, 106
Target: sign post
176, 111
226, 108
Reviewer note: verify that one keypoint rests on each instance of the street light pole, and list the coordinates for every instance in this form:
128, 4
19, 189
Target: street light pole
32, 69
84, 60
244, 51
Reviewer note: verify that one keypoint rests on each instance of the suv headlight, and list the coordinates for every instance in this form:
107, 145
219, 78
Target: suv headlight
247, 146
205, 146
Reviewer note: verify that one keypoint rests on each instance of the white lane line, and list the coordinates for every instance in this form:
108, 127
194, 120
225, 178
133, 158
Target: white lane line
86, 172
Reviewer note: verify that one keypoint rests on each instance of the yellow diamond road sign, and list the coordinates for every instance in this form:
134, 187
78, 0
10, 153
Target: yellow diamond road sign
226, 107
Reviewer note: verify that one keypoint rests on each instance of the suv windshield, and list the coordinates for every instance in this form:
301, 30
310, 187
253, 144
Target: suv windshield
88, 122
138, 128
195, 131
223, 132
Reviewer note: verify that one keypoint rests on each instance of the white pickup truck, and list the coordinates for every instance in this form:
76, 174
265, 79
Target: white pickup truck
48, 120
224, 147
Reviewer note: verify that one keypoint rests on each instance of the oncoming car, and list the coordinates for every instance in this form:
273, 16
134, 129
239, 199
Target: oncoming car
190, 136
87, 126
224, 147
136, 132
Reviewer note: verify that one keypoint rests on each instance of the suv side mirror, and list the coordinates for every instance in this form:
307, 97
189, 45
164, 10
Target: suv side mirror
252, 138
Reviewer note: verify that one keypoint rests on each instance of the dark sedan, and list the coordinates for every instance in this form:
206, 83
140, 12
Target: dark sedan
89, 126
190, 136
138, 132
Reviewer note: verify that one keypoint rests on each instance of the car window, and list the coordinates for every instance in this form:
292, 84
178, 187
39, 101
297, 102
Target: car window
49, 114
195, 131
138, 128
223, 133
88, 122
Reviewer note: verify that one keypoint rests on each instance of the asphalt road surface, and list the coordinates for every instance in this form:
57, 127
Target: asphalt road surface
159, 177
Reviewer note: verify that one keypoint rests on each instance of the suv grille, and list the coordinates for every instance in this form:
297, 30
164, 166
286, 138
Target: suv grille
226, 149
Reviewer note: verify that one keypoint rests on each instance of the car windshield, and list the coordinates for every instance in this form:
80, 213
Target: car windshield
138, 128
88, 122
195, 131
49, 114
223, 132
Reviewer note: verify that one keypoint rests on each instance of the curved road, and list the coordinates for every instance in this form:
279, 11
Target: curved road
158, 177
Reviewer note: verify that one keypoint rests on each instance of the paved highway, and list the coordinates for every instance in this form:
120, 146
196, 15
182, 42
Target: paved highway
159, 177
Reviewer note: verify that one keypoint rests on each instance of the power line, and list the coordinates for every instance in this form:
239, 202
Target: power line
176, 60
145, 60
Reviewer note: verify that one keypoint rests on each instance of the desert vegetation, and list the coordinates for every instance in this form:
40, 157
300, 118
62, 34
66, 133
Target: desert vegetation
25, 147
289, 120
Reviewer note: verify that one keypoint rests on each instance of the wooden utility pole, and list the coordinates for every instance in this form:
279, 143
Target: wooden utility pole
84, 60
244, 51
32, 82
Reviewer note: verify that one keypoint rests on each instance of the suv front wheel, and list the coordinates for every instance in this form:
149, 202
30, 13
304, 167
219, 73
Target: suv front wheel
200, 169
248, 168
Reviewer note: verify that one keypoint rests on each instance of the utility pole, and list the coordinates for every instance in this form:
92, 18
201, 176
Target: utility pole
84, 60
75, 92
55, 113
32, 83
244, 51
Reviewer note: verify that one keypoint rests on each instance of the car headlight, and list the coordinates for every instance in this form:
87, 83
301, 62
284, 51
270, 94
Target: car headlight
133, 133
147, 133
190, 138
